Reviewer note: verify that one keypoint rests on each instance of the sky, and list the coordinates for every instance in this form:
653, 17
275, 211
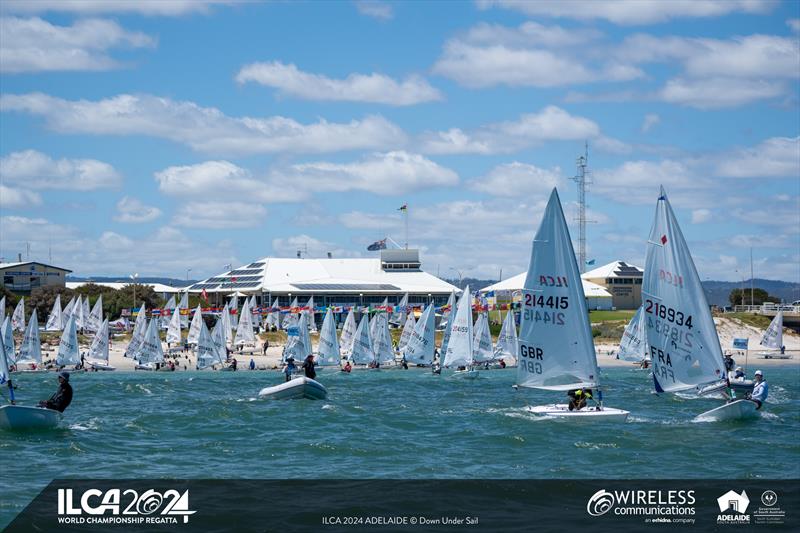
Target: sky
173, 137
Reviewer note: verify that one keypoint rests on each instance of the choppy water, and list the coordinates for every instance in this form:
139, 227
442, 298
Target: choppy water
388, 424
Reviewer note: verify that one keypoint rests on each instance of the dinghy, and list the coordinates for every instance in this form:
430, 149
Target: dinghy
483, 353
209, 352
54, 320
633, 345
95, 317
150, 353
18, 317
98, 351
460, 347
30, 351
507, 346
382, 343
244, 329
194, 328
420, 347
348, 333
20, 417
681, 335
68, 352
405, 335
328, 349
556, 351
362, 353
296, 389
773, 339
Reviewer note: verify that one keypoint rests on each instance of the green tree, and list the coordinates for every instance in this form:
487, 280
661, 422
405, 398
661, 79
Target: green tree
43, 299
123, 299
760, 296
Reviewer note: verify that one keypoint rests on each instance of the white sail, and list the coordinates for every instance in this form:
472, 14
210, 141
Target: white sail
309, 312
67, 312
184, 304
77, 312
400, 311
482, 344
293, 317
166, 317
194, 329
304, 328
151, 351
85, 312
244, 331
98, 351
218, 339
507, 345
328, 349
174, 328
382, 345
8, 341
408, 328
298, 344
95, 318
773, 336
555, 341
362, 353
681, 336
5, 373
348, 333
445, 322
459, 348
18, 317
139, 332
633, 346
227, 326
68, 352
30, 351
54, 318
208, 354
255, 312
420, 346
3, 308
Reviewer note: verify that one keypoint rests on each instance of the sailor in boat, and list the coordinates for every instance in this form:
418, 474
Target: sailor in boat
404, 363
729, 363
308, 367
578, 398
760, 389
436, 368
739, 374
347, 367
234, 363
290, 368
502, 364
61, 399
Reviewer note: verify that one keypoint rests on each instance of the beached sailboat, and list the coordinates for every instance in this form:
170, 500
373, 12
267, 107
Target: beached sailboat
348, 333
482, 344
167, 311
68, 351
194, 328
460, 347
184, 305
227, 324
95, 318
773, 339
139, 331
633, 345
18, 317
328, 349
54, 322
30, 351
244, 330
420, 346
98, 351
174, 328
150, 354
78, 313
362, 353
507, 346
67, 312
208, 352
681, 336
556, 350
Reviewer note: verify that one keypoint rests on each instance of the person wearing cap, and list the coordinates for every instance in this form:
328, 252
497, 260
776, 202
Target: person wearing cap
729, 363
760, 389
308, 367
739, 373
290, 368
61, 399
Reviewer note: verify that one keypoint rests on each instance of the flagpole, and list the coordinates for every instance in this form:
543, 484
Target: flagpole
405, 211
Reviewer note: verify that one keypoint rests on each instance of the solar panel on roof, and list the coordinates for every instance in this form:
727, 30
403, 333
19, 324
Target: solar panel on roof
254, 265
244, 272
346, 286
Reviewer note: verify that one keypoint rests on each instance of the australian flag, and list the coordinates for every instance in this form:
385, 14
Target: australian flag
377, 245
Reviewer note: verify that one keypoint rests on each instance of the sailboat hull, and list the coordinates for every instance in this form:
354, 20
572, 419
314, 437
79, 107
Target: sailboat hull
465, 374
587, 414
295, 389
101, 366
736, 410
18, 417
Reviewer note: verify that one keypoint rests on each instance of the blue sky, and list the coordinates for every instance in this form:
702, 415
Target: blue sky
155, 137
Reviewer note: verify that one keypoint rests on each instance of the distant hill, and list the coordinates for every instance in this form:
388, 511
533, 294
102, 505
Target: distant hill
172, 282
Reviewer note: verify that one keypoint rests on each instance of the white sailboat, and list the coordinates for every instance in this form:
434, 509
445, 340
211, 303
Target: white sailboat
460, 346
98, 351
556, 351
18, 317
682, 339
401, 312
309, 311
482, 344
244, 330
420, 346
195, 327
298, 345
7, 333
328, 349
207, 351
444, 323
255, 312
382, 344
150, 354
184, 304
408, 329
167, 316
633, 345
66, 313
773, 339
3, 308
361, 353
54, 322
95, 317
174, 328
348, 333
227, 325
68, 350
85, 312
139, 332
218, 338
30, 351
507, 346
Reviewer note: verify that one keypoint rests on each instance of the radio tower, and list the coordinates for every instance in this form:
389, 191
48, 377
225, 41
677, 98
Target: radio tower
582, 179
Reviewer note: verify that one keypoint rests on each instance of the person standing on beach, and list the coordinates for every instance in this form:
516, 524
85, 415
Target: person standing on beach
61, 399
266, 346
730, 364
308, 367
252, 364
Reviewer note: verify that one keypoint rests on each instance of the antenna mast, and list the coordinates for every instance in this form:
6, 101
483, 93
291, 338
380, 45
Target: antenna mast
582, 178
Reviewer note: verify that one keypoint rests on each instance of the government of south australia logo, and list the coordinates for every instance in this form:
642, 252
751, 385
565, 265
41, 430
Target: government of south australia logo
600, 502
733, 508
769, 498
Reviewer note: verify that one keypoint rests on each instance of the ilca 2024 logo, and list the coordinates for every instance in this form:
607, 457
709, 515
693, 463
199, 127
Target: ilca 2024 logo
117, 506
733, 508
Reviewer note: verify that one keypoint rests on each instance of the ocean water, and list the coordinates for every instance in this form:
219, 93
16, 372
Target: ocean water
385, 424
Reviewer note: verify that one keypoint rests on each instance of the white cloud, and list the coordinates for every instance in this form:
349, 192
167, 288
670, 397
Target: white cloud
715, 93
93, 7
551, 123
380, 173
637, 12
35, 45
204, 129
775, 157
289, 246
18, 198
36, 170
794, 24
374, 88
220, 215
133, 211
700, 216
375, 9
518, 179
650, 120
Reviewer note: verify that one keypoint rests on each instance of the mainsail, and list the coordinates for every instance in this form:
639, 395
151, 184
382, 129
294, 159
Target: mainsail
95, 317
507, 345
184, 305
139, 331
555, 342
408, 328
633, 346
165, 317
382, 345
328, 349
400, 311
445, 321
459, 347
682, 339
419, 348
194, 329
68, 352
18, 317
151, 351
54, 319
98, 351
348, 333
482, 344
244, 331
31, 349
773, 336
208, 353
67, 312
174, 328
362, 353
8, 341
227, 326
85, 312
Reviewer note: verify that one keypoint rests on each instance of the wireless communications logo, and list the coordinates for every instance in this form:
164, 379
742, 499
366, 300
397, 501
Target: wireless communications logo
669, 506
117, 506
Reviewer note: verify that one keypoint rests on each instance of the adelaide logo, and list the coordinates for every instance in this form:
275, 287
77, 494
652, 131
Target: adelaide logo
600, 503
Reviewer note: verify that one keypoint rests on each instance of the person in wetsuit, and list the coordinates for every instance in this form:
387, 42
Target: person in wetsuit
578, 398
308, 367
61, 399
